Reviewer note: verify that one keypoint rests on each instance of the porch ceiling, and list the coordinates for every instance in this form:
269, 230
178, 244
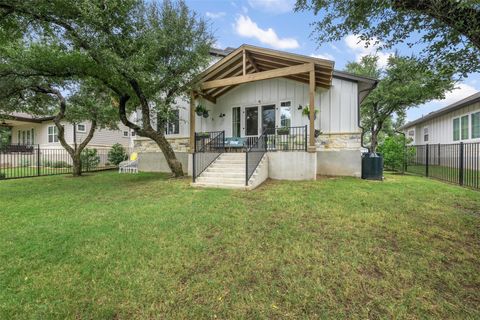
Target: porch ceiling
250, 63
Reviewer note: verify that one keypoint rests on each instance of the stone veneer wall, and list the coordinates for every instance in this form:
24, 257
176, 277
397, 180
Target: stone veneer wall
339, 141
146, 145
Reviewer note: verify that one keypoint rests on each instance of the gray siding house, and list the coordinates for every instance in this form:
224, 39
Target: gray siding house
458, 122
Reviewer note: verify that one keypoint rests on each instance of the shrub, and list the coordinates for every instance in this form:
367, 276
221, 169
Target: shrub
90, 159
117, 154
3, 176
394, 152
60, 164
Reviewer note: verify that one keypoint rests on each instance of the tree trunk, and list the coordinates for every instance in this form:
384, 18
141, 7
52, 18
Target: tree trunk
148, 132
374, 141
77, 165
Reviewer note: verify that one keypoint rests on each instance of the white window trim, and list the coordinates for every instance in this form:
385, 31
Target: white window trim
470, 133
428, 133
84, 126
292, 111
179, 121
55, 129
469, 139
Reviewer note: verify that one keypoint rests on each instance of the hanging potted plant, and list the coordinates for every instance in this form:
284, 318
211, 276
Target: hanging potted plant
201, 111
306, 112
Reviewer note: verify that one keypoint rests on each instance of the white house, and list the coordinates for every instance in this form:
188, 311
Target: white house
458, 122
29, 130
255, 99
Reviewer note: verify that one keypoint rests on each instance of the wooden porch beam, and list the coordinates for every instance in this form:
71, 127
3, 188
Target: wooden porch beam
192, 122
277, 73
252, 62
311, 145
244, 62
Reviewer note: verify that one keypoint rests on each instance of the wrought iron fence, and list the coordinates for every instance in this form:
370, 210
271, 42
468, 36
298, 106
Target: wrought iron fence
455, 163
210, 146
254, 155
23, 161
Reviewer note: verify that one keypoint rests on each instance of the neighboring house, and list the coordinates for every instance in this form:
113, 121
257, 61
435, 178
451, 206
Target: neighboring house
458, 122
27, 130
253, 91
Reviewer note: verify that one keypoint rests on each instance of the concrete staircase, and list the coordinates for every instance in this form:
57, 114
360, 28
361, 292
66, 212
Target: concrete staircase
228, 172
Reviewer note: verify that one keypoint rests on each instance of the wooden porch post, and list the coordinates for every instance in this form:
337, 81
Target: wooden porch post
192, 122
311, 144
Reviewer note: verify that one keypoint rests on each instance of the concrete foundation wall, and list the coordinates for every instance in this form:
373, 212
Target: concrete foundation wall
155, 161
292, 165
339, 163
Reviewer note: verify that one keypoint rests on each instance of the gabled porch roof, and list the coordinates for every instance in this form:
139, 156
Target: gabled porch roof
249, 63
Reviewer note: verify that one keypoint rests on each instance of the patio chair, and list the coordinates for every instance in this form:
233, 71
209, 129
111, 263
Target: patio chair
129, 166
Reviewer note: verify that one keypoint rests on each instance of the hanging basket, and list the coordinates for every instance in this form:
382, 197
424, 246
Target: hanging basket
205, 114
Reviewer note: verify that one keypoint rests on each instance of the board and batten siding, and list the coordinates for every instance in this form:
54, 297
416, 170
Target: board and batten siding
440, 129
338, 105
101, 138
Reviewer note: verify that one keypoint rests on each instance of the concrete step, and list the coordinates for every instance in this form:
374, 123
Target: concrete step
219, 185
229, 161
222, 180
220, 174
226, 170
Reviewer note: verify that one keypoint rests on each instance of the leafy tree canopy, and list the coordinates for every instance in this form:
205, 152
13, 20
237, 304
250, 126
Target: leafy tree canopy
447, 30
405, 83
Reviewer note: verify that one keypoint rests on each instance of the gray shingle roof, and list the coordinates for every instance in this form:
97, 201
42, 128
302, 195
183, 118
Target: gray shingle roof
454, 106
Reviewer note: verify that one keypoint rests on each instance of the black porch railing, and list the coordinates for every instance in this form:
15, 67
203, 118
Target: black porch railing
455, 163
254, 155
208, 147
25, 161
288, 139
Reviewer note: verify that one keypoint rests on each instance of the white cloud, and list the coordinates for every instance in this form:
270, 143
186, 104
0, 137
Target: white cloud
215, 15
460, 92
359, 49
245, 27
326, 56
272, 6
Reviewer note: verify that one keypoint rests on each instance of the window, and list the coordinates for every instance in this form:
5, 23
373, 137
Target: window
464, 125
236, 122
456, 129
125, 133
425, 134
19, 137
24, 137
81, 127
33, 136
29, 141
251, 121
285, 114
133, 133
173, 125
52, 134
411, 133
476, 125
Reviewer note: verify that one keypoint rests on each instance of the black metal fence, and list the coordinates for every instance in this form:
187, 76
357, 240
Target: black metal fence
455, 163
254, 155
208, 147
23, 161
288, 139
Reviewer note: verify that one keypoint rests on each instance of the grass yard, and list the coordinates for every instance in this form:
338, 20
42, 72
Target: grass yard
110, 246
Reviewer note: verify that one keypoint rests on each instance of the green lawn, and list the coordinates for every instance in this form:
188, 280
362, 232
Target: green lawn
110, 246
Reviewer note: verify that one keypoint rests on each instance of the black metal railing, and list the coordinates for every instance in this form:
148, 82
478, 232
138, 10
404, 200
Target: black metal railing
455, 163
288, 139
211, 146
23, 161
204, 139
254, 155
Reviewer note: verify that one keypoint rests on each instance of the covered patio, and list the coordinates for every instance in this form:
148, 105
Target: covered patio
250, 64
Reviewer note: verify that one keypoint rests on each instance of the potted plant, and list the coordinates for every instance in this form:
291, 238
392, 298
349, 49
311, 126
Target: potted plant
201, 111
283, 131
306, 112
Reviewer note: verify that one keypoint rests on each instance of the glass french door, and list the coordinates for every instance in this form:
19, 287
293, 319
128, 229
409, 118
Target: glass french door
236, 122
268, 119
251, 121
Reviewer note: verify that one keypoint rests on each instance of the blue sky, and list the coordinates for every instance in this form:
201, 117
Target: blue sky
273, 24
